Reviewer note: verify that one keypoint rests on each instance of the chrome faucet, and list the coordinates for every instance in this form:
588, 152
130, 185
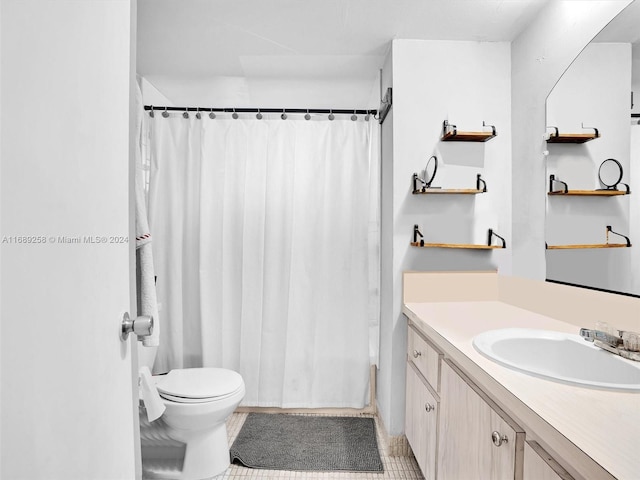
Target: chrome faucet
587, 334
591, 334
626, 344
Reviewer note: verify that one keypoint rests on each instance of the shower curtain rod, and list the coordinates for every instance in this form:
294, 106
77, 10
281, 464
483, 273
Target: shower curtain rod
335, 111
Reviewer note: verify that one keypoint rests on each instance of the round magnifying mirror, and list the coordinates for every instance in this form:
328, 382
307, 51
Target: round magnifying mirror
430, 170
610, 173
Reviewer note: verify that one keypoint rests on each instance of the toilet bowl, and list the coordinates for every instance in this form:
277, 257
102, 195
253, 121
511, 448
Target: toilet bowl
189, 440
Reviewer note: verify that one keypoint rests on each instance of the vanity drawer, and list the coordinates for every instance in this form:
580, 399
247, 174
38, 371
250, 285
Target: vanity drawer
425, 357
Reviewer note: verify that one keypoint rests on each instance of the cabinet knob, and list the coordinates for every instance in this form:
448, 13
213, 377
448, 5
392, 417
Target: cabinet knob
416, 354
428, 407
499, 439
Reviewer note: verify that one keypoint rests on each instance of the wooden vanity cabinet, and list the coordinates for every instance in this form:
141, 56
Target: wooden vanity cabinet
422, 402
421, 422
539, 465
450, 424
425, 357
476, 439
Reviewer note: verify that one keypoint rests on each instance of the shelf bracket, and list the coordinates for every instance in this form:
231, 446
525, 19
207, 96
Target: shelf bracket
416, 179
552, 178
555, 129
385, 105
480, 182
416, 232
493, 128
591, 128
619, 234
494, 234
445, 128
626, 186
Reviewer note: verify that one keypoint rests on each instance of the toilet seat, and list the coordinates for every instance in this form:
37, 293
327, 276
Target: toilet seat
199, 385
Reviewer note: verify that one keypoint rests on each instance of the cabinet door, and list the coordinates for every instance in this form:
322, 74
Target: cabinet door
421, 423
466, 449
426, 358
539, 465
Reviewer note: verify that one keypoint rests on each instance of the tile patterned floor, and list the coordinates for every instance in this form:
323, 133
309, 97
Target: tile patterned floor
395, 468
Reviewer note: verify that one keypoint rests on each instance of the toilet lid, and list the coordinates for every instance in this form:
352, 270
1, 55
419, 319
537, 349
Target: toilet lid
199, 383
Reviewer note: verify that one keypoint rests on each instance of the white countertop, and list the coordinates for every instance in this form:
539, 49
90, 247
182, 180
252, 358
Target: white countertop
603, 424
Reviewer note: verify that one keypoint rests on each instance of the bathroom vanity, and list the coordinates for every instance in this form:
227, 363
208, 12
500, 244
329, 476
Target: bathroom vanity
469, 417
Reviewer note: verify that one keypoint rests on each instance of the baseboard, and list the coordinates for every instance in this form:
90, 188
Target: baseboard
395, 445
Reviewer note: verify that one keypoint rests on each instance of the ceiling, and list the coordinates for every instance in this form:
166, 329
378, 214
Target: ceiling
304, 40
307, 37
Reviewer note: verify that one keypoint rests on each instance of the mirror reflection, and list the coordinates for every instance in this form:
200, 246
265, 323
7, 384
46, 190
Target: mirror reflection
610, 173
430, 171
591, 171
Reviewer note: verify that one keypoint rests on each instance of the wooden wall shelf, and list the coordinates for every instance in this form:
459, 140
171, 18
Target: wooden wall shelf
595, 245
558, 137
467, 136
590, 193
469, 246
436, 191
450, 133
585, 193
481, 187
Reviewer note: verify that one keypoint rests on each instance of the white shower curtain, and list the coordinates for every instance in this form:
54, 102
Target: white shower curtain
266, 244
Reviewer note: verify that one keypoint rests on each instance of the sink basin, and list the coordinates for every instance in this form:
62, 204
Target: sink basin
558, 356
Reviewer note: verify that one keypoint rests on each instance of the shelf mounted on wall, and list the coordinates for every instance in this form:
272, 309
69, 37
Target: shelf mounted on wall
489, 246
557, 137
605, 192
481, 187
450, 133
596, 245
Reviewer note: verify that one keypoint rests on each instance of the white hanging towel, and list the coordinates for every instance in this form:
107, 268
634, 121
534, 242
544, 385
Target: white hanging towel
153, 404
145, 273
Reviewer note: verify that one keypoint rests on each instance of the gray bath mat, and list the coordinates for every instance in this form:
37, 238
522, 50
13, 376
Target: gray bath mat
299, 442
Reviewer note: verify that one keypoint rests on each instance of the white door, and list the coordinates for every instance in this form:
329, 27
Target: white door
67, 406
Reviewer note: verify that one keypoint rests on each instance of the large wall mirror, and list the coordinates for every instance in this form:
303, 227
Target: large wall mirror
593, 163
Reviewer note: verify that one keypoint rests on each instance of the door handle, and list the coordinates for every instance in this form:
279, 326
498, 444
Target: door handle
142, 326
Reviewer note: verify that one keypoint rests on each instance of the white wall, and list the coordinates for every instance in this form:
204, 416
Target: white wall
67, 397
151, 95
595, 91
388, 332
539, 56
429, 87
292, 92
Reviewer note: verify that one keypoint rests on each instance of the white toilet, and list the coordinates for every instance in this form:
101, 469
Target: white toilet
189, 440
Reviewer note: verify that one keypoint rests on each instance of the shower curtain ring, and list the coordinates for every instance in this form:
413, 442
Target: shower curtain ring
307, 115
331, 115
235, 115
284, 114
259, 115
165, 114
151, 114
198, 115
186, 113
354, 117
212, 114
